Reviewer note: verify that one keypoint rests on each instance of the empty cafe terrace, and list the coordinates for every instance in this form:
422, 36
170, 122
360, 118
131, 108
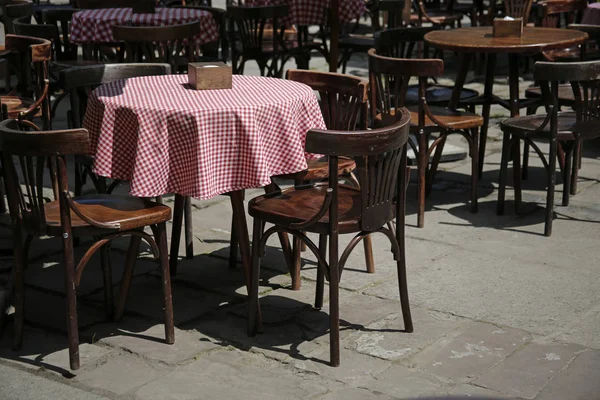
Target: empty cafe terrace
300, 199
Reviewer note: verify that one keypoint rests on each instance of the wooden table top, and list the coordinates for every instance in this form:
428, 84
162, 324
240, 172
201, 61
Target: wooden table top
480, 40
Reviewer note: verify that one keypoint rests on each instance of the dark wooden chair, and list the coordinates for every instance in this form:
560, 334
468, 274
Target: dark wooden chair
210, 51
410, 43
252, 40
105, 217
29, 60
12, 11
568, 129
436, 13
356, 43
330, 209
389, 79
172, 44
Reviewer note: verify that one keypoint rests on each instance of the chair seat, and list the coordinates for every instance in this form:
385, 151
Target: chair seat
318, 169
565, 93
455, 119
129, 212
439, 17
567, 126
60, 65
16, 105
293, 206
437, 95
363, 42
571, 54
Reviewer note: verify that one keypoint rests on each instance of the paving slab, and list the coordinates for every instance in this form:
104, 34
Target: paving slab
579, 381
528, 370
583, 330
469, 351
355, 394
232, 375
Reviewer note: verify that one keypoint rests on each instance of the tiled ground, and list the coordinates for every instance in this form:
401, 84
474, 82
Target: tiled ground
499, 310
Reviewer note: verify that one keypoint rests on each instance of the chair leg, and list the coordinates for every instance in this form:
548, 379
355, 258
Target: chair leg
189, 229
130, 259
320, 273
334, 302
551, 182
296, 264
403, 288
161, 232
422, 170
176, 232
19, 286
567, 173
108, 282
254, 314
474, 169
233, 246
72, 322
506, 144
516, 148
368, 246
577, 165
435, 161
525, 165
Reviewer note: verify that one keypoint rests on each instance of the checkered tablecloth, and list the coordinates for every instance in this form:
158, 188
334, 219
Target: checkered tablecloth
165, 137
95, 26
311, 12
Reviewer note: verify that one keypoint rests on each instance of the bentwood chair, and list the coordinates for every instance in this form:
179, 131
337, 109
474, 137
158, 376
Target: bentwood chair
567, 129
12, 11
435, 13
29, 60
389, 80
251, 41
172, 44
104, 217
330, 209
210, 51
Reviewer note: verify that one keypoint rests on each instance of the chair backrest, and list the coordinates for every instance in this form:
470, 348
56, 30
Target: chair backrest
251, 23
60, 18
78, 81
584, 78
211, 50
94, 4
551, 13
11, 12
389, 78
27, 154
380, 157
518, 9
343, 98
402, 42
32, 57
159, 44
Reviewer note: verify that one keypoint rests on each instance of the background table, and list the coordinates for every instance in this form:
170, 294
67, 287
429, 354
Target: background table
95, 26
165, 137
470, 41
311, 12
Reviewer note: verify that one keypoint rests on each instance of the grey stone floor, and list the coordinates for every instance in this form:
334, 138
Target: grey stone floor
499, 310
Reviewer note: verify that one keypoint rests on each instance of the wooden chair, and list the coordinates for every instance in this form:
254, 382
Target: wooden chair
12, 11
330, 209
103, 216
410, 43
389, 79
249, 42
29, 60
568, 129
511, 8
435, 13
210, 51
173, 44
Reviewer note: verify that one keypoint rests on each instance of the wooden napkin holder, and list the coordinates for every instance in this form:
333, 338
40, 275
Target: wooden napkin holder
506, 28
209, 75
144, 7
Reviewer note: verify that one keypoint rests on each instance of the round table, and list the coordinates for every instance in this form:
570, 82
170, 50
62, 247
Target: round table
165, 137
470, 41
95, 26
311, 12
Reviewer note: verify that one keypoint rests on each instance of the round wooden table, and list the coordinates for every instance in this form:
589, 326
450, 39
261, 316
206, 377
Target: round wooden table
471, 41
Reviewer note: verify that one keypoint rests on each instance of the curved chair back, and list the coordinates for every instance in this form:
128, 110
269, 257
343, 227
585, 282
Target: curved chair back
402, 42
210, 51
10, 12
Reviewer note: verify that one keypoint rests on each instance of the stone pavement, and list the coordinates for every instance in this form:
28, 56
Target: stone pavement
499, 310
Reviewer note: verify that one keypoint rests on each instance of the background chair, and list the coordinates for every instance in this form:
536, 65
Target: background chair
568, 129
105, 217
12, 11
331, 209
389, 79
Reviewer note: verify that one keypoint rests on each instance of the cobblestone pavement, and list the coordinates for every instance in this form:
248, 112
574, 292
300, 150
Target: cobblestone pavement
499, 310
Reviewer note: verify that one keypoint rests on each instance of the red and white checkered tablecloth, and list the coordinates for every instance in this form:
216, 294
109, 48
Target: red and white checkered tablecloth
95, 26
165, 137
311, 12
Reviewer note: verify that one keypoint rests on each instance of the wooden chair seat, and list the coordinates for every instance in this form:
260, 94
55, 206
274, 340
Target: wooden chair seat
437, 95
129, 212
60, 65
440, 17
362, 42
524, 126
298, 205
454, 119
318, 169
565, 93
17, 105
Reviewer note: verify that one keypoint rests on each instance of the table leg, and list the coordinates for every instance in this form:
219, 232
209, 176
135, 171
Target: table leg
460, 80
485, 112
239, 216
513, 84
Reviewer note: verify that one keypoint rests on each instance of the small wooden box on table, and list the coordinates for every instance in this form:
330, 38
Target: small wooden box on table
508, 27
209, 75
